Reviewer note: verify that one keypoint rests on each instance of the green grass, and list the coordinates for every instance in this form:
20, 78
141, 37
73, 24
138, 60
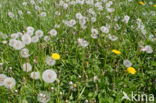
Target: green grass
94, 60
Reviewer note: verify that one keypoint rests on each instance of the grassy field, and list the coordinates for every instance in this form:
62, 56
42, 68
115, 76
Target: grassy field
77, 51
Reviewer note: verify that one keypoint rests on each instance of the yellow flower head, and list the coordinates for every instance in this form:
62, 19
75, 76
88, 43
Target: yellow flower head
116, 51
154, 5
55, 56
131, 70
142, 3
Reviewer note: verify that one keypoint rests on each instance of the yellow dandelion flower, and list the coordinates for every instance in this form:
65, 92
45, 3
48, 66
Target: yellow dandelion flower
131, 70
116, 51
154, 5
55, 56
142, 3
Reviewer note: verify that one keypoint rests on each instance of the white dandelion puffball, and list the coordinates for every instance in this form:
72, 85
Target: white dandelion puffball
9, 82
46, 38
27, 67
14, 35
2, 78
148, 49
20, 12
43, 14
26, 39
78, 16
127, 63
34, 39
50, 61
94, 31
94, 36
53, 32
12, 42
126, 19
30, 29
39, 33
43, 97
112, 37
82, 42
49, 76
24, 53
11, 14
104, 29
35, 75
17, 44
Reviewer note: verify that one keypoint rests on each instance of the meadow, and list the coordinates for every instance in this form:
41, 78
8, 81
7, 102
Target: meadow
77, 51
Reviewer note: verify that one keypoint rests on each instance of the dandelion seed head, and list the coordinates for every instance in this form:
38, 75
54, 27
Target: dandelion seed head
50, 61
35, 75
9, 82
2, 78
82, 42
39, 33
24, 53
49, 76
127, 63
27, 67
53, 32
43, 97
26, 39
104, 29
34, 39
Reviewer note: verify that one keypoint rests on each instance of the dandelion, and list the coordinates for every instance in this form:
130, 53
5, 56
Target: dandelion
53, 32
104, 29
154, 5
4, 42
37, 8
127, 63
49, 76
148, 49
116, 51
11, 14
17, 44
27, 67
20, 12
55, 56
43, 97
26, 39
43, 14
2, 78
30, 29
50, 61
94, 34
46, 38
78, 16
82, 42
34, 39
28, 12
9, 82
35, 75
131, 70
112, 37
24, 53
24, 3
14, 35
70, 23
93, 19
39, 33
126, 19
141, 3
